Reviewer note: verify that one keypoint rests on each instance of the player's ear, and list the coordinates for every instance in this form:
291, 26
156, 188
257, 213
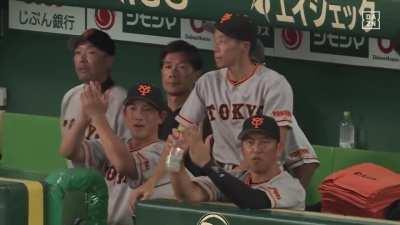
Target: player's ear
246, 46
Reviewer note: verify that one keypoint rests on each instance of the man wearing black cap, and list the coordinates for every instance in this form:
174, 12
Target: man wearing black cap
93, 56
127, 163
242, 88
264, 185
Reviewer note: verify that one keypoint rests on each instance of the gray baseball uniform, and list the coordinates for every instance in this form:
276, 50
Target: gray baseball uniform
119, 186
228, 104
283, 190
71, 108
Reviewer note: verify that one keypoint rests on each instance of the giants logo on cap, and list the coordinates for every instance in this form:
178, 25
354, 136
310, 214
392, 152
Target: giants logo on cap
225, 17
257, 121
144, 89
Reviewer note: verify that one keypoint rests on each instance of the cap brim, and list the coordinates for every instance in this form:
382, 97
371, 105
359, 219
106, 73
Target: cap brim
247, 132
159, 108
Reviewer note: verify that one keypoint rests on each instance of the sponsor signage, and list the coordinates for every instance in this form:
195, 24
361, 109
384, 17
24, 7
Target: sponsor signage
44, 18
213, 219
378, 18
152, 29
339, 44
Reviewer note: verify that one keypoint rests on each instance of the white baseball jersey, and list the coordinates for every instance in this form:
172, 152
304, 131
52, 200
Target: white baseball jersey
71, 108
119, 186
227, 104
283, 190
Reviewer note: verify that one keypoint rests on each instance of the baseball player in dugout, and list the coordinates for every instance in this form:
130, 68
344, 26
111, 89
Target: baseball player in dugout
181, 66
125, 163
240, 88
93, 56
265, 184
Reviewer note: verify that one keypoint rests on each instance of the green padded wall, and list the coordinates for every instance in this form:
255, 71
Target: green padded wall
325, 155
13, 204
173, 213
31, 143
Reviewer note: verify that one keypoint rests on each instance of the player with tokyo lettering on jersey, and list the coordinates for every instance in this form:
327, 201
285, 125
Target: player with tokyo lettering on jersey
242, 88
125, 163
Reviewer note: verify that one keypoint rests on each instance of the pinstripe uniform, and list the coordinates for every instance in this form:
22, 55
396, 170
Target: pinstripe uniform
283, 190
227, 104
71, 108
119, 186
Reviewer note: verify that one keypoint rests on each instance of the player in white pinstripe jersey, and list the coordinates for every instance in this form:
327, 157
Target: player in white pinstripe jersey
265, 184
243, 88
125, 163
93, 57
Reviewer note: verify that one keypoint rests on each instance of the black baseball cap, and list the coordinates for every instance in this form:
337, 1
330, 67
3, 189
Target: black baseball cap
98, 38
260, 124
148, 93
237, 26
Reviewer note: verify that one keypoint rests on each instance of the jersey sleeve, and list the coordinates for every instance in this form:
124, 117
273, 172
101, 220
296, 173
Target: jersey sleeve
286, 194
94, 156
279, 102
145, 163
193, 110
64, 104
298, 150
205, 183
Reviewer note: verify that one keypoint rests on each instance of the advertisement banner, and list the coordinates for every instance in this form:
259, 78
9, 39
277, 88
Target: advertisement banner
378, 18
160, 30
43, 18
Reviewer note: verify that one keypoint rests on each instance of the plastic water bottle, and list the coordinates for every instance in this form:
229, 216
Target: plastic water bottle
174, 158
347, 134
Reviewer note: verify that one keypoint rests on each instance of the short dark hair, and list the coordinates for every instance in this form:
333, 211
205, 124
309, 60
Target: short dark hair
191, 52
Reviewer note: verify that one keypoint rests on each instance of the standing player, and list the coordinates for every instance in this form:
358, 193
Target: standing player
120, 161
240, 89
181, 66
264, 185
93, 58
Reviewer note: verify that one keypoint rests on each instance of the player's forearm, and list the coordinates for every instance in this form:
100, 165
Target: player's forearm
305, 172
71, 143
114, 149
238, 192
185, 189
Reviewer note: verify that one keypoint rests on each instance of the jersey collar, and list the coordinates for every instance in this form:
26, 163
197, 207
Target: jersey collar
107, 84
132, 148
245, 78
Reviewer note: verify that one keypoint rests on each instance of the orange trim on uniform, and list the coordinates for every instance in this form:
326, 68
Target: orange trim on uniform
280, 121
236, 83
131, 148
271, 196
186, 120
